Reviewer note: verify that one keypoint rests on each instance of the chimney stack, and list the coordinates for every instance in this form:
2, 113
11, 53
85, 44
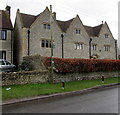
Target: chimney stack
54, 15
8, 8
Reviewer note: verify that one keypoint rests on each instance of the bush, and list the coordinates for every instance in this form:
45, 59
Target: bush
82, 65
33, 62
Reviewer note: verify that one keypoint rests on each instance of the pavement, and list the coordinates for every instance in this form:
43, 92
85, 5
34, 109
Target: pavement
13, 101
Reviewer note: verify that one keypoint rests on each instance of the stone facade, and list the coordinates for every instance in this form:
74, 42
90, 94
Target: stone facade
6, 35
7, 46
76, 39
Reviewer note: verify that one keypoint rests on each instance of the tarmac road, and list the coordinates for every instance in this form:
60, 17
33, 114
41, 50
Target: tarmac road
100, 101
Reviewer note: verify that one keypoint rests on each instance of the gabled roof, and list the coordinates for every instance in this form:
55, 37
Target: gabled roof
93, 31
5, 22
64, 25
27, 19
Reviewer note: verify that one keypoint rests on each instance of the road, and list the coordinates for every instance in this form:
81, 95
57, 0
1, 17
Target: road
100, 101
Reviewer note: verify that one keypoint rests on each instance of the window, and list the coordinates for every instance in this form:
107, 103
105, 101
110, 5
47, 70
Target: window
106, 35
2, 63
46, 43
78, 46
46, 26
3, 34
77, 31
107, 47
94, 46
3, 55
7, 63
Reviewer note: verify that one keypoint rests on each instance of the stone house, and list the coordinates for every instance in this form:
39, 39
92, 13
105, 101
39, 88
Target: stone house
71, 39
6, 35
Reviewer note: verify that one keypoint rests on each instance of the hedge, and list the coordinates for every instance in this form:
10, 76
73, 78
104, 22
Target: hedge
82, 65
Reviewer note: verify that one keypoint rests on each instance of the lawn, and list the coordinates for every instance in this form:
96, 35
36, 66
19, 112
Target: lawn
31, 90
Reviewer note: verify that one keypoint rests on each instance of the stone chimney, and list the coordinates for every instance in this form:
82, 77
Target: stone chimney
8, 9
54, 15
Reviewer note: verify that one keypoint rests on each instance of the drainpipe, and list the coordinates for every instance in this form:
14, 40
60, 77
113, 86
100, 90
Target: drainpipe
116, 49
11, 46
62, 46
90, 48
28, 42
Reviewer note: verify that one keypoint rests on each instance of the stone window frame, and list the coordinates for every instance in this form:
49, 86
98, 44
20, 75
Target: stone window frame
46, 43
78, 31
107, 48
106, 35
94, 46
46, 26
79, 46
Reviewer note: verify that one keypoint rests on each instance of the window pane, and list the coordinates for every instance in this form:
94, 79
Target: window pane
75, 46
43, 43
47, 45
77, 31
50, 44
44, 26
78, 47
2, 63
48, 26
3, 34
7, 63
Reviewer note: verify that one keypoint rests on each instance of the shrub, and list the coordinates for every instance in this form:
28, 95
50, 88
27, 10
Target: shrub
33, 62
82, 65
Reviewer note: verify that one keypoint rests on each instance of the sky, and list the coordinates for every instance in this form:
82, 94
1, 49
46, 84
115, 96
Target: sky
91, 12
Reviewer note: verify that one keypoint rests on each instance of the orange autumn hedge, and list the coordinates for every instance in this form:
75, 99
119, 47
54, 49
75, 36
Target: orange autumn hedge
82, 65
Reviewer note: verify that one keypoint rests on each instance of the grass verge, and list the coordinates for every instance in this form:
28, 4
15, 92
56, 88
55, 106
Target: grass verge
31, 90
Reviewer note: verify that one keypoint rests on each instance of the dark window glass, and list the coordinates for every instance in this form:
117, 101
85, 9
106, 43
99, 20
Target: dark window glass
48, 26
77, 31
106, 35
43, 43
2, 63
3, 34
47, 44
7, 63
50, 44
3, 55
44, 26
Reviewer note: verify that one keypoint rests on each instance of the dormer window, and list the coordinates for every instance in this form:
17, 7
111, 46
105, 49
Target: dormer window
78, 31
106, 35
46, 26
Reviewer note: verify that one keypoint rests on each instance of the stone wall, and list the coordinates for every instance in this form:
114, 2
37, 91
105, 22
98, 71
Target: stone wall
44, 76
83, 76
24, 77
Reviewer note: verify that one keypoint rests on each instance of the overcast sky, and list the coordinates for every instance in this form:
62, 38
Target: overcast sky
91, 12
